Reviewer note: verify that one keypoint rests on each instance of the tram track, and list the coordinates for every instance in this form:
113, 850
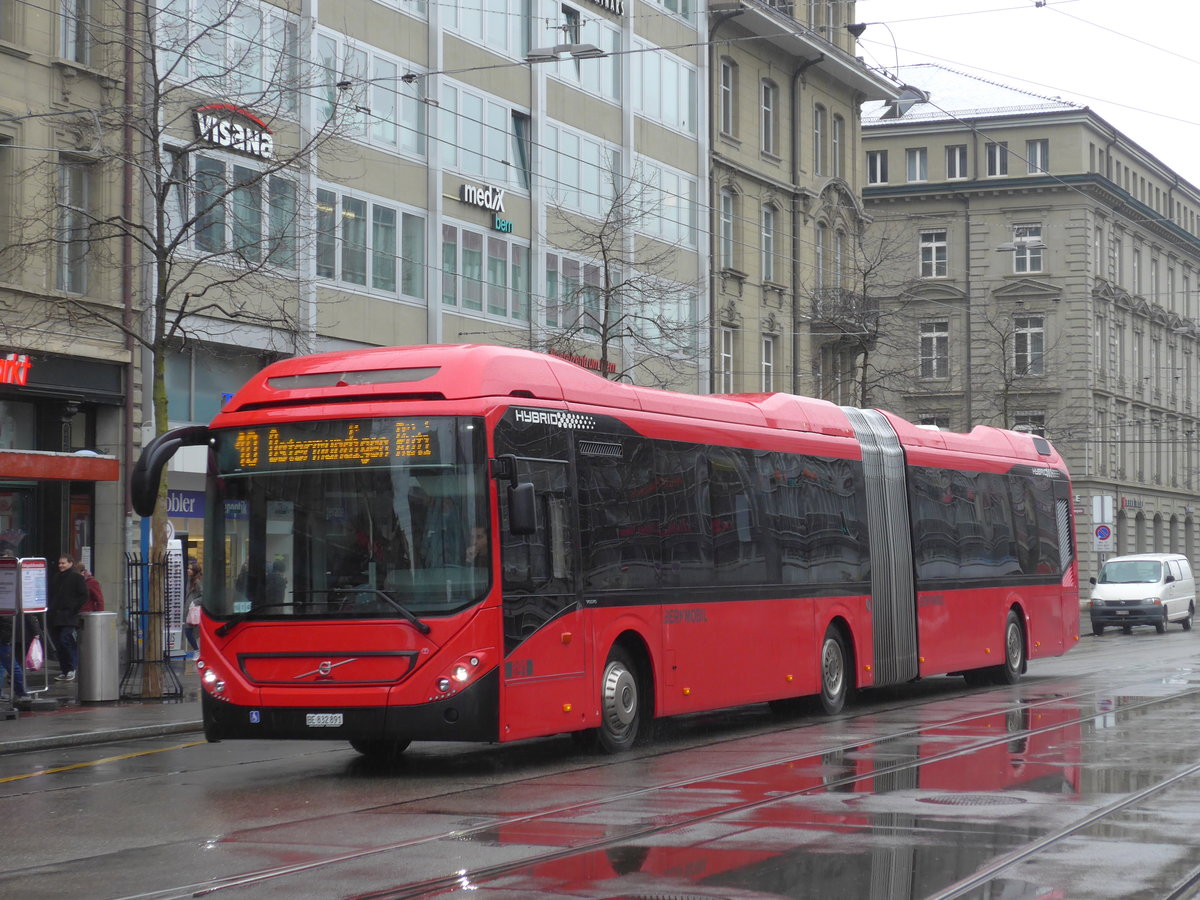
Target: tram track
452, 881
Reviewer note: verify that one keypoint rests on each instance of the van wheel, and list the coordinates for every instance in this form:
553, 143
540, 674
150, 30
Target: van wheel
1126, 629
1161, 625
1097, 630
835, 672
1187, 620
620, 703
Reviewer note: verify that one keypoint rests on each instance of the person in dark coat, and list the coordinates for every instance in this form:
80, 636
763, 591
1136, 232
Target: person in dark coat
67, 595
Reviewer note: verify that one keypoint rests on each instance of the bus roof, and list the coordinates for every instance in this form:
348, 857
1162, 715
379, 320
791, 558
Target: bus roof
476, 371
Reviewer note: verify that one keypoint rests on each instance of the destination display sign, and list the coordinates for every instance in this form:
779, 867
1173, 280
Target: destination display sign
328, 443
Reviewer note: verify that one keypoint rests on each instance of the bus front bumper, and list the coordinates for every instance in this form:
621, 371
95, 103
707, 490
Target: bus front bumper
473, 715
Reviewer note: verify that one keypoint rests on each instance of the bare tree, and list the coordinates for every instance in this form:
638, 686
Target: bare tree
863, 327
210, 222
620, 297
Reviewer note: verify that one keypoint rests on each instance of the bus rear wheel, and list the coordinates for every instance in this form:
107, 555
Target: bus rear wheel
620, 703
380, 751
835, 672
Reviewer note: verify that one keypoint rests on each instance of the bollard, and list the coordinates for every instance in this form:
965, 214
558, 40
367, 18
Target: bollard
98, 660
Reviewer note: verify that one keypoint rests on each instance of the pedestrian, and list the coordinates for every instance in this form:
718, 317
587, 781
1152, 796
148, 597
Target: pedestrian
95, 600
193, 601
68, 594
7, 662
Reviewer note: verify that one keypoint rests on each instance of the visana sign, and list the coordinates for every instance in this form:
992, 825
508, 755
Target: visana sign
477, 195
223, 125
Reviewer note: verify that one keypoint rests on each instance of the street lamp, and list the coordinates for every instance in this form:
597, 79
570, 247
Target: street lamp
578, 51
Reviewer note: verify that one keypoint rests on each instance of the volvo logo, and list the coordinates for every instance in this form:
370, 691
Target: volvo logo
323, 669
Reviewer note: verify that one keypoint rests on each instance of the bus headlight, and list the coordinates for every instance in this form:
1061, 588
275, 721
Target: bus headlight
460, 673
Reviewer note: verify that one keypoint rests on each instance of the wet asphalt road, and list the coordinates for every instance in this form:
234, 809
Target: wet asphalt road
1082, 781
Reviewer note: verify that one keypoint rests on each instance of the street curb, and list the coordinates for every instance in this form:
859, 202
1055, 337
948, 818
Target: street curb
57, 742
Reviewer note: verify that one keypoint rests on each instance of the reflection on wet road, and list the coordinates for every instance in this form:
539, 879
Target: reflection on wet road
1078, 784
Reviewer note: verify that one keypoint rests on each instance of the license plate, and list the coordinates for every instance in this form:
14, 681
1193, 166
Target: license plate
323, 720
1122, 612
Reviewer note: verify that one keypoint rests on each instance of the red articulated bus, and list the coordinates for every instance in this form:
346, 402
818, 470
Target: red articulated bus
485, 544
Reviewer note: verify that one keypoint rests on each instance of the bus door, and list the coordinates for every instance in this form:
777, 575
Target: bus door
545, 675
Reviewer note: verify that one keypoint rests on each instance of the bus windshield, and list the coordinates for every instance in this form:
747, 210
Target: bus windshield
377, 518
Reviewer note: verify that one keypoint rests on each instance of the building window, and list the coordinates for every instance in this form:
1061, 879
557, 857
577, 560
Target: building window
933, 253
1031, 422
483, 138
670, 201
956, 161
917, 160
768, 243
73, 226
818, 140
768, 363
725, 363
76, 30
725, 231
1027, 257
877, 167
935, 349
1037, 155
728, 97
1029, 336
822, 256
241, 50
838, 139
664, 87
379, 107
574, 294
770, 111
578, 170
200, 376
997, 159
238, 210
371, 245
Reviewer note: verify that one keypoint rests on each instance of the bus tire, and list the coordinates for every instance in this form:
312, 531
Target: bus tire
380, 751
835, 672
620, 703
1014, 651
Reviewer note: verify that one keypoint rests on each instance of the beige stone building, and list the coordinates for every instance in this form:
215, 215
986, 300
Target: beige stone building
1049, 281
785, 93
65, 367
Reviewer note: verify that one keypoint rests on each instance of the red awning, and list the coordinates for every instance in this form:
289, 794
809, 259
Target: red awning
35, 465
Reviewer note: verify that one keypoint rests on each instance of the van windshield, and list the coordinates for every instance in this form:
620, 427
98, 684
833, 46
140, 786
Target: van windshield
1140, 571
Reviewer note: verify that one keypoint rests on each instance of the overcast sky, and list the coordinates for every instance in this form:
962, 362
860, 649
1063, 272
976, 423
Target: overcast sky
1134, 62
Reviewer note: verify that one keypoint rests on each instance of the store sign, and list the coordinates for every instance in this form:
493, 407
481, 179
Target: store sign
185, 504
14, 369
477, 195
504, 225
234, 128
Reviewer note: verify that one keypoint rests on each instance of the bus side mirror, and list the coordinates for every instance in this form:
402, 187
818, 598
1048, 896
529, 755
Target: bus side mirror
522, 508
147, 472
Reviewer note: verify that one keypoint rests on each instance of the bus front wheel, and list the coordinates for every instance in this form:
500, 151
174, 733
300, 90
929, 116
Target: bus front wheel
835, 672
620, 703
1014, 651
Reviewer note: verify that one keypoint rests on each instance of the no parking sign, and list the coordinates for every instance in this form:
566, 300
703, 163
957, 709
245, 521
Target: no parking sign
1104, 538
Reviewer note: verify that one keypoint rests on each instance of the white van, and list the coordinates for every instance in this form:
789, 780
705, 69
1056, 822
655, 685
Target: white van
1143, 589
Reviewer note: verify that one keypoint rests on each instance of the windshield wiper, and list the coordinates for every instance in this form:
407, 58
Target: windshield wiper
391, 601
237, 618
